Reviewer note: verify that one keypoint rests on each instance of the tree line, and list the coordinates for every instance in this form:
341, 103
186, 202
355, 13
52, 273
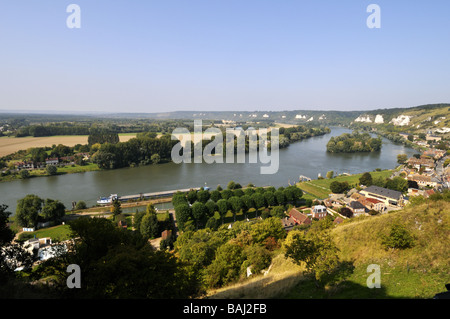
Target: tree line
198, 209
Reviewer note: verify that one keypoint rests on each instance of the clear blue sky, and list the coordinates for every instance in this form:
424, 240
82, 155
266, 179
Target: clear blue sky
167, 55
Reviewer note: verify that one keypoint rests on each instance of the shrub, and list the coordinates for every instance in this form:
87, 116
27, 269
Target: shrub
399, 237
81, 205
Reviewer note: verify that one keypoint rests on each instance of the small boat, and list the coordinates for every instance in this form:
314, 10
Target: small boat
107, 200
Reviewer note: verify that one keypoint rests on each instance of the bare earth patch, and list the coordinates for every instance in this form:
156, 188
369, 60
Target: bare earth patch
9, 145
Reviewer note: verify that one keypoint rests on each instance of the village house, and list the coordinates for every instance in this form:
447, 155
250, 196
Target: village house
357, 208
319, 211
434, 153
425, 180
418, 163
52, 161
299, 218
25, 165
288, 223
387, 196
376, 204
67, 159
434, 138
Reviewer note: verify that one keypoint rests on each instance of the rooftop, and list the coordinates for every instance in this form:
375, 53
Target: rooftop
383, 192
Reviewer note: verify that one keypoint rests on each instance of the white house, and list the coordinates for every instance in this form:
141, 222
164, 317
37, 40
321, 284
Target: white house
319, 211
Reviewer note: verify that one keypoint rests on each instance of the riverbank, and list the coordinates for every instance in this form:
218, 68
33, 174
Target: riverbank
62, 170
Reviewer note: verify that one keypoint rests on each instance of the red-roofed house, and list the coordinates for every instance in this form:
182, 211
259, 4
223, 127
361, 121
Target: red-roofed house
299, 218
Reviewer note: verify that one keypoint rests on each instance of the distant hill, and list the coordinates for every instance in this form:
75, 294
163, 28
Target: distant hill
420, 118
426, 116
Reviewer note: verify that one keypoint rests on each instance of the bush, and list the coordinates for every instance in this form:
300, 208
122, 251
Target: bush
81, 205
399, 237
24, 174
51, 170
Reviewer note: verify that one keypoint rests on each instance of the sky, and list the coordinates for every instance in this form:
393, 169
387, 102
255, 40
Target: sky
225, 55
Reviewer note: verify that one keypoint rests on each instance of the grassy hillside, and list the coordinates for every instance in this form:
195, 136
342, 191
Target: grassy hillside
417, 272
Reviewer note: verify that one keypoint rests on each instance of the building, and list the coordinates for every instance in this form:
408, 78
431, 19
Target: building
376, 204
357, 208
319, 211
299, 218
418, 163
387, 196
434, 153
424, 180
25, 165
288, 223
52, 161
434, 138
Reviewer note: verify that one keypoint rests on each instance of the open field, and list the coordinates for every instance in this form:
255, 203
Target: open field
321, 187
9, 145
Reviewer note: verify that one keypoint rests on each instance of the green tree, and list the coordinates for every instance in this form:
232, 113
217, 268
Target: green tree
51, 169
183, 214
215, 195
226, 266
53, 210
28, 210
212, 207
118, 264
24, 174
279, 195
200, 213
226, 194
203, 196
149, 226
402, 158
366, 179
399, 237
269, 227
338, 187
6, 234
330, 174
80, 205
397, 183
155, 158
222, 207
247, 202
117, 207
258, 199
231, 185
192, 196
278, 211
270, 199
316, 250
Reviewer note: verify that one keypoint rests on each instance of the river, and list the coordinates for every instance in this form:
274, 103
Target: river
307, 158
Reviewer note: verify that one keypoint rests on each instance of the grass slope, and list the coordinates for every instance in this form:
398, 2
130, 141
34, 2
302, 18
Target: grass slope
417, 272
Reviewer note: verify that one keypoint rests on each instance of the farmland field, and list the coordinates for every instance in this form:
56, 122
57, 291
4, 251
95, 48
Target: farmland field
9, 145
